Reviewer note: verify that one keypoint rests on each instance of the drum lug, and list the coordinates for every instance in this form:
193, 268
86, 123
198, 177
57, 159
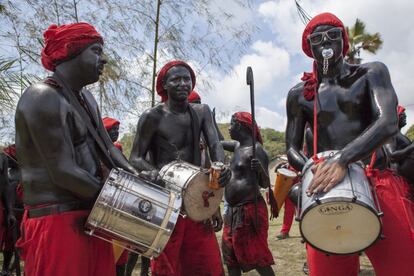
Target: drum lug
302, 241
297, 219
382, 237
354, 198
380, 214
317, 200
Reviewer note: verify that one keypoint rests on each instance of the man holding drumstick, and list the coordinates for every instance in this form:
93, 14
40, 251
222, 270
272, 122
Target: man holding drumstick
355, 113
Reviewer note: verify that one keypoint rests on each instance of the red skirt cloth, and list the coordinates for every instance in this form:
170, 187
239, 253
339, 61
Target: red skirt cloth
123, 259
288, 215
243, 244
191, 250
56, 245
392, 256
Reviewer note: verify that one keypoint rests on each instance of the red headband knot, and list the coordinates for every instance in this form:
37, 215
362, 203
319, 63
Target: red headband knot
67, 41
400, 109
245, 118
110, 122
11, 151
194, 97
323, 19
163, 72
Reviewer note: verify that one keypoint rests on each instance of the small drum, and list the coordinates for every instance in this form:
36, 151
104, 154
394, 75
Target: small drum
344, 220
283, 183
199, 201
136, 212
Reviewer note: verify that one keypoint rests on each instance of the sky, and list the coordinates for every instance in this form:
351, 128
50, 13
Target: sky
278, 62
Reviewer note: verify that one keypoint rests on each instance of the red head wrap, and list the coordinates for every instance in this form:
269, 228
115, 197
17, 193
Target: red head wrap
194, 97
11, 151
110, 122
311, 79
67, 41
400, 109
323, 19
163, 72
245, 118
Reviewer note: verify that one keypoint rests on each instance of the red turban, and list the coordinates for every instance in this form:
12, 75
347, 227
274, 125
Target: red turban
323, 19
163, 72
11, 151
67, 41
400, 109
194, 97
245, 118
110, 122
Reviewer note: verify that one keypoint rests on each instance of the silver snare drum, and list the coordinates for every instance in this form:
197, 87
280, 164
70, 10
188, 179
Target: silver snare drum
136, 212
344, 220
199, 201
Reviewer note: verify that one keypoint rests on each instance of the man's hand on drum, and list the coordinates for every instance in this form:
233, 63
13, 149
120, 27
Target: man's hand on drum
225, 176
326, 175
152, 176
217, 221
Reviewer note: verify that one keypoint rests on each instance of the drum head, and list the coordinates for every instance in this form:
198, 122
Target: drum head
200, 202
286, 172
340, 227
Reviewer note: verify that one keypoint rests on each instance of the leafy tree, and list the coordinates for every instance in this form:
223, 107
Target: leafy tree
410, 133
359, 40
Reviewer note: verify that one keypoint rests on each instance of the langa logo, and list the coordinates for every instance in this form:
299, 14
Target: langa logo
335, 209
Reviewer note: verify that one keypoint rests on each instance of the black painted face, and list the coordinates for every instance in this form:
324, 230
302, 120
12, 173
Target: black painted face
326, 37
402, 120
234, 128
178, 83
91, 62
114, 133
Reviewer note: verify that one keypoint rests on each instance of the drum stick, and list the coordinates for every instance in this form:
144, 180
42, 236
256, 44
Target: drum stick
250, 82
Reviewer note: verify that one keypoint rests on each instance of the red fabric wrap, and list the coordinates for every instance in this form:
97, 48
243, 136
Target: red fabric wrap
118, 146
57, 245
245, 246
245, 118
191, 250
323, 19
11, 151
110, 122
193, 97
400, 109
67, 41
391, 256
163, 72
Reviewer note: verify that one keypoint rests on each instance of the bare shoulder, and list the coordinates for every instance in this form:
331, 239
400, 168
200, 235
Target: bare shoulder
153, 114
295, 94
40, 97
375, 67
202, 110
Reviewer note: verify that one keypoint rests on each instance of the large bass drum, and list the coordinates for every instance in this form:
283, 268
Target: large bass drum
344, 220
199, 201
136, 212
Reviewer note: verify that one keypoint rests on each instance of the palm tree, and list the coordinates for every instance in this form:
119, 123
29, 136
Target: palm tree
359, 40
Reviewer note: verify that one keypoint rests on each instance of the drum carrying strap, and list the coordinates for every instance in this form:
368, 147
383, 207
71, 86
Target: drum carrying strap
71, 98
195, 128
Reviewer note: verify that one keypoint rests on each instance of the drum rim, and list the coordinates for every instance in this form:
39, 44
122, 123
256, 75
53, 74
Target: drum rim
347, 200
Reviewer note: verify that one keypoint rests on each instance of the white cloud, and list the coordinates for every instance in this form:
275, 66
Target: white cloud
270, 65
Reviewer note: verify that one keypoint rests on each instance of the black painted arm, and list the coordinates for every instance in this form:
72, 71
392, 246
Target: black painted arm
384, 108
210, 134
46, 120
294, 131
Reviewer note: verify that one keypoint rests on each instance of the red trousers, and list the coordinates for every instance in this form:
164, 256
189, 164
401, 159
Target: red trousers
191, 250
245, 245
392, 256
56, 245
288, 215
